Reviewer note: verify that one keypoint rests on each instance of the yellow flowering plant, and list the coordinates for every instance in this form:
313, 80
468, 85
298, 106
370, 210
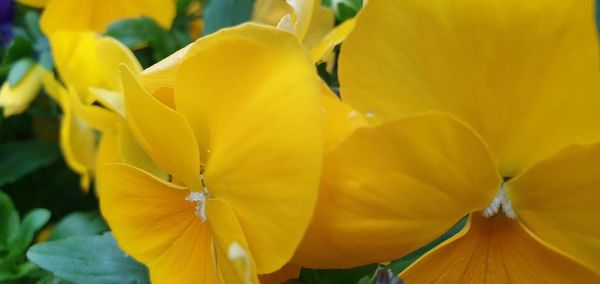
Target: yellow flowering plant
299, 141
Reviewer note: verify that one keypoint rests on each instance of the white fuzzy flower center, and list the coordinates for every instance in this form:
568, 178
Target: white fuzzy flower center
500, 201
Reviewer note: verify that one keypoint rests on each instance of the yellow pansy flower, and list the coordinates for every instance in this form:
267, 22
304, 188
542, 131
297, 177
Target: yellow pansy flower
16, 99
88, 65
486, 109
93, 15
242, 139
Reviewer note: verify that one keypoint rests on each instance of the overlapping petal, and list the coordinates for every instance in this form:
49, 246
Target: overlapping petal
390, 189
177, 245
521, 74
557, 202
255, 111
495, 250
163, 133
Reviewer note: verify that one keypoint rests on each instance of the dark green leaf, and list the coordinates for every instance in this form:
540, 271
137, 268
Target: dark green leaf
9, 222
346, 9
18, 71
220, 14
134, 33
18, 48
334, 276
79, 224
88, 259
19, 159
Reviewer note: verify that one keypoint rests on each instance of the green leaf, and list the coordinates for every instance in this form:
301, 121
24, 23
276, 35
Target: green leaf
32, 222
17, 159
18, 48
134, 33
9, 222
32, 22
88, 259
399, 265
220, 14
79, 224
18, 71
334, 276
347, 9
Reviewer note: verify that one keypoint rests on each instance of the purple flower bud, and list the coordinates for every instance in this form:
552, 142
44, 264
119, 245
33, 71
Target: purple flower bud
7, 10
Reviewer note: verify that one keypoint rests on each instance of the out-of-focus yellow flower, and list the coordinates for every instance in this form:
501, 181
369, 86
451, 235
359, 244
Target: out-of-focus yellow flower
15, 99
312, 23
93, 15
246, 172
92, 127
484, 109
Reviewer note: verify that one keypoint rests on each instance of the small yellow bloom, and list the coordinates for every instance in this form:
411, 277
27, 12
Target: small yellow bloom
93, 15
241, 138
16, 99
487, 109
34, 3
88, 65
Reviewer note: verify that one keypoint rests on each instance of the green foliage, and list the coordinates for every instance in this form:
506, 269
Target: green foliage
79, 224
334, 276
15, 237
220, 14
88, 259
346, 9
20, 158
19, 70
144, 32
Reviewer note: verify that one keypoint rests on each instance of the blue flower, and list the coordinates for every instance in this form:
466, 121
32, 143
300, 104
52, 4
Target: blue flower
7, 9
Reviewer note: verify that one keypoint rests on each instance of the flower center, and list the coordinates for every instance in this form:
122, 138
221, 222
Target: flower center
200, 199
500, 201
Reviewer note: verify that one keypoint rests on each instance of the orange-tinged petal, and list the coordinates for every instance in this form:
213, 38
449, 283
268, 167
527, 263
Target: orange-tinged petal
287, 272
557, 201
523, 75
233, 259
495, 250
340, 119
264, 151
95, 15
390, 189
153, 222
163, 133
16, 99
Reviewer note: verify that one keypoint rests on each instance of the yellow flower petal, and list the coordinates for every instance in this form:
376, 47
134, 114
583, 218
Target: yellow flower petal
132, 153
88, 61
15, 100
522, 74
77, 141
270, 12
340, 119
336, 36
95, 15
153, 222
264, 151
34, 3
495, 250
321, 23
163, 133
390, 189
287, 272
300, 22
557, 201
163, 73
233, 258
